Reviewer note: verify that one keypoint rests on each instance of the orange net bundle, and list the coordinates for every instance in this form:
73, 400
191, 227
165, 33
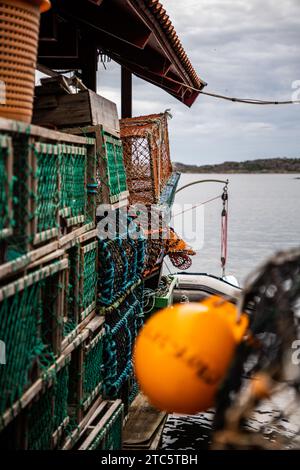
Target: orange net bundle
146, 156
178, 251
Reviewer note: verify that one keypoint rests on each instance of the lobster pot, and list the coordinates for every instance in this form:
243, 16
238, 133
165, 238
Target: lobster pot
120, 265
30, 328
105, 428
87, 372
111, 183
81, 283
59, 189
146, 156
168, 193
122, 324
46, 177
47, 416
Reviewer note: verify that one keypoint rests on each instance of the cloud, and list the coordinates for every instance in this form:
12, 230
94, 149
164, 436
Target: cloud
240, 48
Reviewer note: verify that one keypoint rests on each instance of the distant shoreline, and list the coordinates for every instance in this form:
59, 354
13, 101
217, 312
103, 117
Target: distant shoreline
261, 166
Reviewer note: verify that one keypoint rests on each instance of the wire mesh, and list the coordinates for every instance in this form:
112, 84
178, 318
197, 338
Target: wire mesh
88, 279
93, 367
40, 423
115, 170
46, 188
73, 179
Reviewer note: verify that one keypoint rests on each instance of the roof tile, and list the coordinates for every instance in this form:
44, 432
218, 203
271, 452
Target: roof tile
160, 13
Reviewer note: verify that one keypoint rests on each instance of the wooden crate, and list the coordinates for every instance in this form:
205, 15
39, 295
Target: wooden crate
110, 172
72, 110
104, 431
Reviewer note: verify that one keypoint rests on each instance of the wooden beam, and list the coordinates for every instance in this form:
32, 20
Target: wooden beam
116, 18
48, 26
89, 61
46, 70
66, 43
126, 96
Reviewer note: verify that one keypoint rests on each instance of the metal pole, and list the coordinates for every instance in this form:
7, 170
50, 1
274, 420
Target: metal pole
201, 181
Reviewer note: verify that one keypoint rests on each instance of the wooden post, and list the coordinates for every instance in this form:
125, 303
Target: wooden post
90, 65
126, 79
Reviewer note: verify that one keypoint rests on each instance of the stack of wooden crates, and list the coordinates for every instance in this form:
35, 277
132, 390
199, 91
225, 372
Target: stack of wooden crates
51, 336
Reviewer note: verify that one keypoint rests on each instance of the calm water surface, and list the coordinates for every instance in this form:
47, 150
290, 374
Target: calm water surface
264, 216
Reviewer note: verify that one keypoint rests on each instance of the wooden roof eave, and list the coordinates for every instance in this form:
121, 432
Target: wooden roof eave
145, 50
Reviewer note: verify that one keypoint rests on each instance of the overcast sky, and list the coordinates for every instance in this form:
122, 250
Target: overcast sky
242, 48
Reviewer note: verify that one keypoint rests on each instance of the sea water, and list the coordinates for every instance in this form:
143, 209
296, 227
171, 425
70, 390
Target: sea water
263, 217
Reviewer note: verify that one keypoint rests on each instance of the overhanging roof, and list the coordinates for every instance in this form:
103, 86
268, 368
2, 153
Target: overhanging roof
137, 34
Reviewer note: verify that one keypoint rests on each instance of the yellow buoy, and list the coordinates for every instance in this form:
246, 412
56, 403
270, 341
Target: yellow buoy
183, 352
